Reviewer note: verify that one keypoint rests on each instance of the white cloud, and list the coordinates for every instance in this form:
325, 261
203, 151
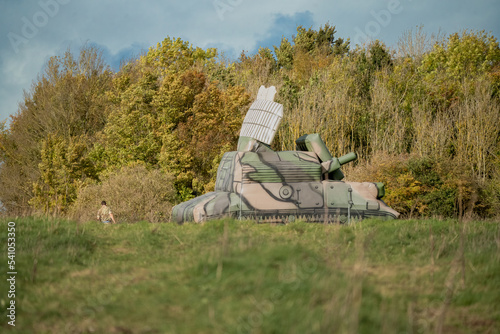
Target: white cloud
121, 27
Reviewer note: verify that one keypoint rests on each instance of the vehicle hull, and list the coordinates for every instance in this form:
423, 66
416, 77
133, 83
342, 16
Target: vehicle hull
320, 202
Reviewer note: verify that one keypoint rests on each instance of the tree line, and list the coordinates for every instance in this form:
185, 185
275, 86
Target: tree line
423, 116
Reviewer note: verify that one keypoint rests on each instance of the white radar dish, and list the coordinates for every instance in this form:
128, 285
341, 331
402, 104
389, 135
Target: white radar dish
263, 117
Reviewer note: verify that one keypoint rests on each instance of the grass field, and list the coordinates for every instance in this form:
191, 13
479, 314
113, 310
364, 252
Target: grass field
402, 276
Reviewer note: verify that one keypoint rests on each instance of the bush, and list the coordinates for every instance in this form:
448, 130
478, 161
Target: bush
134, 193
419, 186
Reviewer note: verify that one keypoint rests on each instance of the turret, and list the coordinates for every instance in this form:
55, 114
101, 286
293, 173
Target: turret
330, 165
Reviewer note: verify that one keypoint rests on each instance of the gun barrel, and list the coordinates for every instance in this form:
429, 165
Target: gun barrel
348, 158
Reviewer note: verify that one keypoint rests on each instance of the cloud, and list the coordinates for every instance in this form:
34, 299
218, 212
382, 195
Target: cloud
285, 26
124, 28
17, 73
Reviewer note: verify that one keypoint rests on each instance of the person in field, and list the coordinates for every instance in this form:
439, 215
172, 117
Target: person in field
104, 215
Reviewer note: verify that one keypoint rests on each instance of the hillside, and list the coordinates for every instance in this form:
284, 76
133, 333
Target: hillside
401, 276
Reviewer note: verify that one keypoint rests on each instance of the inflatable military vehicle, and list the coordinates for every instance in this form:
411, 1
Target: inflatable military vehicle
258, 183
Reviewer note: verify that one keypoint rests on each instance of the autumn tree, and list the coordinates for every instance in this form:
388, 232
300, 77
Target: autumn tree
167, 113
64, 168
67, 100
423, 118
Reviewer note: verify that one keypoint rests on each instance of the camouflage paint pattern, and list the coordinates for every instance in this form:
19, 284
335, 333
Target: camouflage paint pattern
282, 187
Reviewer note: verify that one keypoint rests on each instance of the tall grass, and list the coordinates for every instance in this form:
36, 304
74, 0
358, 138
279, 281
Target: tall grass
415, 276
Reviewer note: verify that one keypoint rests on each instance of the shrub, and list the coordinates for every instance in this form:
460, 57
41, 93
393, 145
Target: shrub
134, 193
420, 186
403, 190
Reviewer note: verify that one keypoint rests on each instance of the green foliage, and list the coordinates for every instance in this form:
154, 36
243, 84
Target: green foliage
466, 57
194, 147
404, 192
419, 186
379, 57
322, 41
64, 167
168, 114
175, 55
68, 101
467, 54
424, 171
284, 54
424, 119
130, 133
370, 62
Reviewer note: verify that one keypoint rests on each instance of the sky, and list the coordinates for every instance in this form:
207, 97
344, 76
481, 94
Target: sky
32, 31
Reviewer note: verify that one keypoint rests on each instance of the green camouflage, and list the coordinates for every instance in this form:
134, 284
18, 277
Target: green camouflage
257, 183
104, 214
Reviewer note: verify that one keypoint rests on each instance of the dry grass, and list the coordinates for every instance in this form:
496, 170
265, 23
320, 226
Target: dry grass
134, 193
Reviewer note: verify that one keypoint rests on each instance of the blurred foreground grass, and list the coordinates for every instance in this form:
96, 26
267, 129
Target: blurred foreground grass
402, 276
